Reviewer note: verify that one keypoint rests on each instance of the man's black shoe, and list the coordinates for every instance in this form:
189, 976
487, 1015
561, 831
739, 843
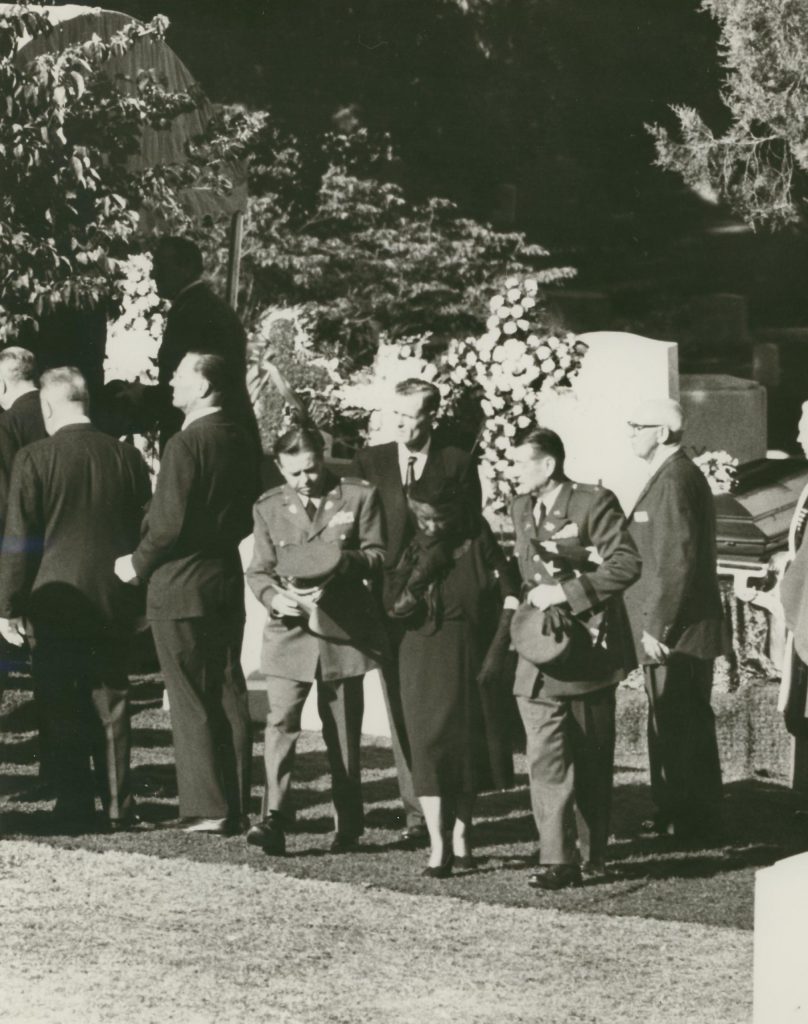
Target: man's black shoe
656, 826
552, 877
414, 837
131, 823
594, 871
269, 835
342, 843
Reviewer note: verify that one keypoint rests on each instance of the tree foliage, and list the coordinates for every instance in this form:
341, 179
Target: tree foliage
70, 198
759, 163
329, 231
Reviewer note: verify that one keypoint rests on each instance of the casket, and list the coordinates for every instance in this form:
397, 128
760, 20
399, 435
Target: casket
753, 521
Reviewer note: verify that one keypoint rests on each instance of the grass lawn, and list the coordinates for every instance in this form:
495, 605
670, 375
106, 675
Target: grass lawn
213, 922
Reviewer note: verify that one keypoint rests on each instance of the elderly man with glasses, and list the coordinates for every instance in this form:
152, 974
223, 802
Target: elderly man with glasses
676, 617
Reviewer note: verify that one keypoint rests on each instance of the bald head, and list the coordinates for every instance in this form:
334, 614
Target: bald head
64, 397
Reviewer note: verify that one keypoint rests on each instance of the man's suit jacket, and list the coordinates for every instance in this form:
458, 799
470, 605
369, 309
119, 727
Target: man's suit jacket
349, 516
378, 464
794, 584
75, 505
199, 321
676, 599
200, 512
20, 425
582, 544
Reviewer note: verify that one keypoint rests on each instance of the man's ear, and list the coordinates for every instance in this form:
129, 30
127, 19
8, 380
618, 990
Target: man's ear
664, 435
47, 408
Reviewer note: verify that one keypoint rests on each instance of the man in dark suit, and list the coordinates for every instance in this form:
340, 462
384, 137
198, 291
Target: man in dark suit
677, 622
391, 468
20, 424
574, 554
332, 649
22, 421
189, 557
198, 321
75, 505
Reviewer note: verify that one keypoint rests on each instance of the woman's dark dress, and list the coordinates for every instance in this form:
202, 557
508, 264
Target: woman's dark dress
458, 732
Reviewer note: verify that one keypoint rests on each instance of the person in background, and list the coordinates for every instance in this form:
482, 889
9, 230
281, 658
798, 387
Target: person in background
678, 624
576, 559
334, 650
75, 505
20, 424
198, 321
452, 667
188, 555
392, 468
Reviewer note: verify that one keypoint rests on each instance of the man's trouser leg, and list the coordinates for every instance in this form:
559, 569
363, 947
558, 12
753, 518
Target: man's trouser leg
551, 776
398, 737
112, 733
340, 704
285, 700
209, 715
592, 733
682, 746
66, 713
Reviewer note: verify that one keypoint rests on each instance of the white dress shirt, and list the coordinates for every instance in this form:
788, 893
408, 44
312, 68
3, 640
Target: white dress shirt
404, 456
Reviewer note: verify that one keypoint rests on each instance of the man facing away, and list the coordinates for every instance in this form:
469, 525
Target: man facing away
189, 557
75, 505
20, 424
575, 554
391, 468
677, 622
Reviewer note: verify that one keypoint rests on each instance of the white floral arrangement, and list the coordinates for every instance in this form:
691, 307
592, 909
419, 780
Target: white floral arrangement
721, 470
133, 339
512, 367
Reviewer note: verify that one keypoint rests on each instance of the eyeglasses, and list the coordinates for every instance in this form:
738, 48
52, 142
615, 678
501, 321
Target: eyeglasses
635, 428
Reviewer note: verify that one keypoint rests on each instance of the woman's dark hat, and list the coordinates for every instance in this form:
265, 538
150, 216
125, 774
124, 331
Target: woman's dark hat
436, 490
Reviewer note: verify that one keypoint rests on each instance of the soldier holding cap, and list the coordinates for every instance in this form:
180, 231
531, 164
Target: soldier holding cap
677, 621
576, 558
318, 539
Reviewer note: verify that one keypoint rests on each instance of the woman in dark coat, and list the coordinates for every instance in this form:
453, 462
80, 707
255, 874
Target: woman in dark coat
455, 696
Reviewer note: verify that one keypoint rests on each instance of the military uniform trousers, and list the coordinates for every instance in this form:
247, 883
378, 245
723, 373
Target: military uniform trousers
570, 762
682, 745
83, 691
340, 703
210, 718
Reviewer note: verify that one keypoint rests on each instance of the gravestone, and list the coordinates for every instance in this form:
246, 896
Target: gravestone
618, 371
724, 413
781, 938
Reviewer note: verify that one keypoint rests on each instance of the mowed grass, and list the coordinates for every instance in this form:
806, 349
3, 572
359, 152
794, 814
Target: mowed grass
166, 927
651, 877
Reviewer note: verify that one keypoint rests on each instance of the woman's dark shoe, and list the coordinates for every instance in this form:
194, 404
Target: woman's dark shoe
443, 870
467, 863
553, 877
269, 835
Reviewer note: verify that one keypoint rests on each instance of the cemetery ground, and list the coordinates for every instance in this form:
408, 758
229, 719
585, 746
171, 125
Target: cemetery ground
163, 926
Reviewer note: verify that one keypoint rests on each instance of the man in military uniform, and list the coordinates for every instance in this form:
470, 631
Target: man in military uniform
574, 554
329, 634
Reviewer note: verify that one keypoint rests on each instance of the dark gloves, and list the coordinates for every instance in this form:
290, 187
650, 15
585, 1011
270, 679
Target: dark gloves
494, 664
556, 622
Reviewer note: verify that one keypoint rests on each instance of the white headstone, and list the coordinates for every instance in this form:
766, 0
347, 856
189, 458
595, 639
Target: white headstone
781, 941
618, 371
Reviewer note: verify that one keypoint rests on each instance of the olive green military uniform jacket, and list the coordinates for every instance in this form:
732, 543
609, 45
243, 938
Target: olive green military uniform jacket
350, 516
582, 544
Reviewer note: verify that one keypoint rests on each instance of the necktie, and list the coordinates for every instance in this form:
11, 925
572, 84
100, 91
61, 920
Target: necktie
409, 478
311, 509
539, 513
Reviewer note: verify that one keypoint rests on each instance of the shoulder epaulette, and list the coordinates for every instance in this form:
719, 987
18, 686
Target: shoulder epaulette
356, 480
273, 490
588, 488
